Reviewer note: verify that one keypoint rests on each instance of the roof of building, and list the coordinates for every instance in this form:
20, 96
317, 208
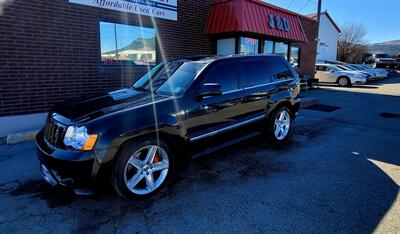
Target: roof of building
252, 16
315, 16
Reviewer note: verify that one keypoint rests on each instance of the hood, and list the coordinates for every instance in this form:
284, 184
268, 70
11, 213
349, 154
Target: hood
386, 59
351, 72
87, 108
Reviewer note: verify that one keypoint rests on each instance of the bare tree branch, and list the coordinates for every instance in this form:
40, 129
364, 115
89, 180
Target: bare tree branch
351, 44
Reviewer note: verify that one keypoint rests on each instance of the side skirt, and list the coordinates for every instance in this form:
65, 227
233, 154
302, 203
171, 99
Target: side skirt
224, 145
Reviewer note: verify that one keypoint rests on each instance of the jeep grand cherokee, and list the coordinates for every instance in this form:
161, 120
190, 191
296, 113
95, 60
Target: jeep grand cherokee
180, 109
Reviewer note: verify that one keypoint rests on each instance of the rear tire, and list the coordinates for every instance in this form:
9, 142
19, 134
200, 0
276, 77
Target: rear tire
143, 168
279, 125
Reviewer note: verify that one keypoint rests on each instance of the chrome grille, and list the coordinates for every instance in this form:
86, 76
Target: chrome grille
54, 132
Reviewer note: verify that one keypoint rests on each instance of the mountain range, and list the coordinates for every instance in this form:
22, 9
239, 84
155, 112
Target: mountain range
144, 44
387, 47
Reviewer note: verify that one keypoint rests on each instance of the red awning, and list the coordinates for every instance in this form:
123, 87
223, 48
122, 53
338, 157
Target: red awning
254, 16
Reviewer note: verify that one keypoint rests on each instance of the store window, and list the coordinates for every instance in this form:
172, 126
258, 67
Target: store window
268, 47
127, 44
294, 56
226, 46
248, 45
282, 49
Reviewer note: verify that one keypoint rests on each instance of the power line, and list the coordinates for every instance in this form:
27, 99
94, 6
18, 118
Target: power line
306, 4
290, 4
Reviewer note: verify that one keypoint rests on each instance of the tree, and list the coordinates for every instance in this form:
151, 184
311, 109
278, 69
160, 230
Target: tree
351, 44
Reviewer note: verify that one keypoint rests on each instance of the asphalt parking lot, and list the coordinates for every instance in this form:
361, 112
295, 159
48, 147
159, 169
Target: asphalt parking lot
339, 172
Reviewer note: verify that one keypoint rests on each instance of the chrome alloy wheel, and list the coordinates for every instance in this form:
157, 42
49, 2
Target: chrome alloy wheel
282, 124
146, 170
343, 81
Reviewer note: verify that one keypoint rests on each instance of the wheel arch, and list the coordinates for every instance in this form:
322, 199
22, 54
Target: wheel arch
174, 141
287, 103
343, 76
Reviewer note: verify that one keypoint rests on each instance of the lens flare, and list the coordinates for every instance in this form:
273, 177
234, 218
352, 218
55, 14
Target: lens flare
4, 4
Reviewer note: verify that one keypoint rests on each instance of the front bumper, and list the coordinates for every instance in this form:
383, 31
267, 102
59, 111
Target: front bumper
387, 63
65, 167
358, 81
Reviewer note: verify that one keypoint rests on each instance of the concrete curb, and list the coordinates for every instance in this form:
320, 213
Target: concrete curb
21, 137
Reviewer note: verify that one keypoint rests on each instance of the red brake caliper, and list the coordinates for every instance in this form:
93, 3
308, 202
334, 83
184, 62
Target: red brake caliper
156, 158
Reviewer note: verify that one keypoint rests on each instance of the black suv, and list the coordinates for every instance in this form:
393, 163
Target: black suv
179, 110
381, 60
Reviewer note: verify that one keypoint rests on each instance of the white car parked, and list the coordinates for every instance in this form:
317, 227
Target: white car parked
382, 73
372, 75
330, 73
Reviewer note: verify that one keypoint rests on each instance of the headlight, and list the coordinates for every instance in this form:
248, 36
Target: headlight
359, 76
78, 138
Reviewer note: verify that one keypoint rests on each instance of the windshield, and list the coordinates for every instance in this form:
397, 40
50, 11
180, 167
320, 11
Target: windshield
344, 68
350, 68
334, 68
357, 66
382, 56
170, 78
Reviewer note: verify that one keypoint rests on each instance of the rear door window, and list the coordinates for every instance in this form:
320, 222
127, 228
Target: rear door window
226, 75
280, 70
255, 73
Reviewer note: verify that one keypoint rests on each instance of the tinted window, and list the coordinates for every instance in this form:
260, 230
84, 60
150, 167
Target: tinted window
225, 75
169, 78
255, 73
279, 68
324, 68
178, 81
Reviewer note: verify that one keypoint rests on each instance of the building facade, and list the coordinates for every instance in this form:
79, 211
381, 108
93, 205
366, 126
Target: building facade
328, 37
53, 50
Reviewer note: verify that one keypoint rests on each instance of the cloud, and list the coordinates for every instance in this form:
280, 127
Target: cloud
3, 4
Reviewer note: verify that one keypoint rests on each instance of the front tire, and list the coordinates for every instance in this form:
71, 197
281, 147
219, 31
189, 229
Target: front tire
344, 82
143, 168
279, 125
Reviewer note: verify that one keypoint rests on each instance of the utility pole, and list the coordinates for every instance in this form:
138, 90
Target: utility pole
318, 19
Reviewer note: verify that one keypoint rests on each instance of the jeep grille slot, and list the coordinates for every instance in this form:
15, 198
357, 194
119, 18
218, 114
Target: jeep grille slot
54, 132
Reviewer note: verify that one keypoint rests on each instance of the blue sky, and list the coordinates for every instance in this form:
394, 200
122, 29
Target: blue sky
381, 18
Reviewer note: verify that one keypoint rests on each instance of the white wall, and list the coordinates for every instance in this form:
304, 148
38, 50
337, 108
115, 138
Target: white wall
328, 40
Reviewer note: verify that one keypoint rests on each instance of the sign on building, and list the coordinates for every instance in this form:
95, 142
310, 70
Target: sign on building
165, 9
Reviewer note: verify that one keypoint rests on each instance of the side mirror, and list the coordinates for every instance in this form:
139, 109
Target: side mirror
208, 90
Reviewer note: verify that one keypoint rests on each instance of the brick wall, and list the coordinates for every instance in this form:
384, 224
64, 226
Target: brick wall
50, 50
308, 51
